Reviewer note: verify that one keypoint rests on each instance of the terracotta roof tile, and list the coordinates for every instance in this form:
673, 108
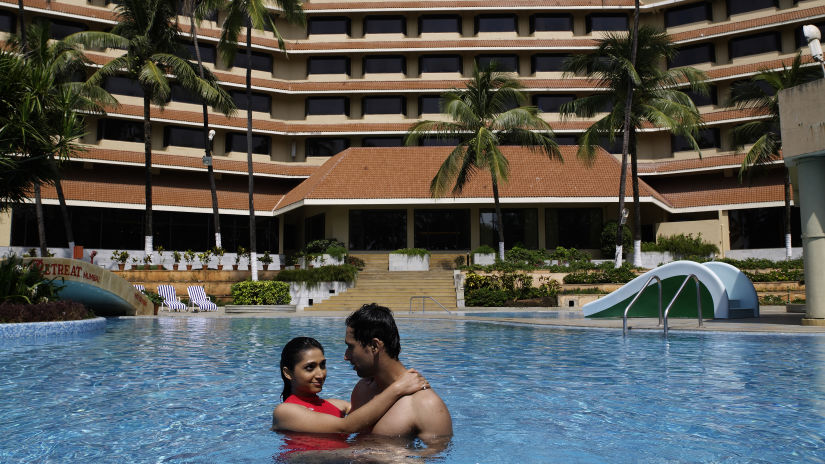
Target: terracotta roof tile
703, 190
661, 167
410, 5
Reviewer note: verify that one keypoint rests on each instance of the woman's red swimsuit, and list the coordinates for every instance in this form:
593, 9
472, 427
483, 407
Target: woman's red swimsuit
308, 442
316, 404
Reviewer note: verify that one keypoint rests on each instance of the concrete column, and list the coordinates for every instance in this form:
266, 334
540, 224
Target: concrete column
811, 171
5, 228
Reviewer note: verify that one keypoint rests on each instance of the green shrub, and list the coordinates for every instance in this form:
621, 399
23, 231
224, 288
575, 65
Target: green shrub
412, 252
314, 276
44, 312
570, 255
319, 247
484, 250
485, 297
524, 258
357, 262
771, 300
459, 261
584, 291
798, 301
23, 282
511, 286
602, 275
683, 246
608, 239
776, 275
263, 292
757, 263
154, 297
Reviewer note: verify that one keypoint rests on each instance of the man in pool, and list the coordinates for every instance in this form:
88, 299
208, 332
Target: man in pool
373, 345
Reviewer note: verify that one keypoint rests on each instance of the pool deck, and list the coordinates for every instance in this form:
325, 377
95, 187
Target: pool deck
774, 319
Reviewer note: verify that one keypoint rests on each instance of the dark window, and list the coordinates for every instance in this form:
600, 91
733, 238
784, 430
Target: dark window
260, 101
8, 22
328, 65
315, 228
116, 129
440, 63
686, 56
496, 23
377, 229
606, 22
439, 23
612, 147
236, 141
548, 62
207, 52
327, 105
260, 61
707, 138
179, 94
429, 104
551, 103
743, 6
762, 85
573, 227
567, 139
442, 229
439, 142
384, 105
551, 22
762, 228
325, 147
183, 137
382, 142
754, 44
120, 85
701, 100
385, 64
520, 227
385, 25
504, 63
687, 14
61, 29
328, 25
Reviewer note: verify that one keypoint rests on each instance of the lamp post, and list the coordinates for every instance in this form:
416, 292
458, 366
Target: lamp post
813, 36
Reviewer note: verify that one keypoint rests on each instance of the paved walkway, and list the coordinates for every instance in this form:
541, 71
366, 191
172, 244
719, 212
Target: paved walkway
774, 319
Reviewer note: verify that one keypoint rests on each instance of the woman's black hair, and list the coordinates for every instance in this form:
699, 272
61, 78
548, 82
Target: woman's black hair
291, 355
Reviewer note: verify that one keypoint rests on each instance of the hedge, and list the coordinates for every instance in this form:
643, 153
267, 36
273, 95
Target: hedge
264, 292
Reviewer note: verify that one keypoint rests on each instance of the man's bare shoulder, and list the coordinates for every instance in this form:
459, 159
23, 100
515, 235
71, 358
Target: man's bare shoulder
432, 416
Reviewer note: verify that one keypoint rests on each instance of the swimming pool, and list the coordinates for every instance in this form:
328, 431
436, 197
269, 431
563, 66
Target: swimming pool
202, 390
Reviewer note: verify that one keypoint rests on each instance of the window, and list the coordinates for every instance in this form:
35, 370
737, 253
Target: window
762, 228
762, 85
207, 52
442, 229
503, 63
548, 62
116, 129
440, 64
754, 44
325, 146
573, 227
429, 104
8, 22
701, 100
551, 103
385, 64
612, 147
439, 141
236, 141
687, 14
377, 229
120, 85
743, 6
61, 29
260, 61
685, 56
382, 142
315, 228
328, 25
260, 101
520, 227
707, 138
328, 65
384, 105
551, 22
179, 94
327, 105
439, 23
606, 22
496, 23
183, 137
567, 139
385, 25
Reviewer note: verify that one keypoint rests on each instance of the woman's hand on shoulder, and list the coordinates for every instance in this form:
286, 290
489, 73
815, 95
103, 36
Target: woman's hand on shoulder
411, 382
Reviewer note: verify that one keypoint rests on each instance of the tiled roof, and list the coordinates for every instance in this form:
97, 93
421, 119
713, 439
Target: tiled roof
763, 21
414, 5
699, 190
722, 72
662, 167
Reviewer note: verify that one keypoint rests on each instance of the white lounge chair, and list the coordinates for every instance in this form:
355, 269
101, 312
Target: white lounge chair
198, 297
170, 301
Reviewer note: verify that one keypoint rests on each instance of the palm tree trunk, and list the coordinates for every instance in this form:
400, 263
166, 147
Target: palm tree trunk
41, 222
253, 248
64, 210
147, 148
207, 142
498, 218
788, 250
637, 207
21, 13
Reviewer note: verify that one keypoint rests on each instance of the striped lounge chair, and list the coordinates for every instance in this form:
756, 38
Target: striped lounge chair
170, 301
198, 297
140, 288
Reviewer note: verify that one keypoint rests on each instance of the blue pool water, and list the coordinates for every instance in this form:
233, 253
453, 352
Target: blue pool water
529, 314
202, 390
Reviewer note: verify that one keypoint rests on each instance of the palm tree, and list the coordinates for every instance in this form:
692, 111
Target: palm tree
764, 133
482, 119
249, 13
147, 30
656, 98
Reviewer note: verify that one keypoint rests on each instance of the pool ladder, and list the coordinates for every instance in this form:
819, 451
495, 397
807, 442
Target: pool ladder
663, 316
424, 299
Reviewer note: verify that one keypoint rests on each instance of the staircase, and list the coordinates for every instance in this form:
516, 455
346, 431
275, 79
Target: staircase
376, 284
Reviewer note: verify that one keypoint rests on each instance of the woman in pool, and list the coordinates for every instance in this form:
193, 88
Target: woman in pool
304, 370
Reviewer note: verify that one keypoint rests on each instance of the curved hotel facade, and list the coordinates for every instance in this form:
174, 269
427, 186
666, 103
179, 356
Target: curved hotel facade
329, 118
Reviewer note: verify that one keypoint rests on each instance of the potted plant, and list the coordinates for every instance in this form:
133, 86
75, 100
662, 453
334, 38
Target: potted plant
218, 252
484, 256
239, 254
266, 260
204, 258
410, 259
160, 251
189, 257
176, 260
135, 263
156, 299
292, 261
147, 262
120, 257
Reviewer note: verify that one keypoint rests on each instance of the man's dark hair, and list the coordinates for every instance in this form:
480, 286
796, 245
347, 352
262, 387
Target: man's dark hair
375, 321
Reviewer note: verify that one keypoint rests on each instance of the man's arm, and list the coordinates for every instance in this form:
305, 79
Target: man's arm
432, 419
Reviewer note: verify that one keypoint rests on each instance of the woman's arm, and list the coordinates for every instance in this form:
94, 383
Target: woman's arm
294, 417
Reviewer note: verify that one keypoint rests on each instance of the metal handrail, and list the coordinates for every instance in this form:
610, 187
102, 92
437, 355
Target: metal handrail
644, 287
679, 292
423, 300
